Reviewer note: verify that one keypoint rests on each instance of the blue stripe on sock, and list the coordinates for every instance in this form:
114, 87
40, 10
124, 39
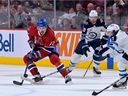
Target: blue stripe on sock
122, 74
72, 63
122, 70
96, 63
30, 66
60, 67
96, 55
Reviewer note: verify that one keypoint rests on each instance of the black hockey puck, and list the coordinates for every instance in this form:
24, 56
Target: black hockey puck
25, 75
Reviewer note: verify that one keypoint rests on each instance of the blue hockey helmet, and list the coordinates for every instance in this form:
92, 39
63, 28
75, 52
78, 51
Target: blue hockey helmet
42, 22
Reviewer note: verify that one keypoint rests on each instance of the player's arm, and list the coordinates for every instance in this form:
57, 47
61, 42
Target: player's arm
120, 51
31, 38
104, 40
98, 53
114, 46
84, 31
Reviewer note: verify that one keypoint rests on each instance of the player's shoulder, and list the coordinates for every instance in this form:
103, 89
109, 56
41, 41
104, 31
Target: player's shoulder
50, 30
31, 28
101, 21
86, 23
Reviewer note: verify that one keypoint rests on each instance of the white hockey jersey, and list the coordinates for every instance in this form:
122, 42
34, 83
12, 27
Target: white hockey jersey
120, 45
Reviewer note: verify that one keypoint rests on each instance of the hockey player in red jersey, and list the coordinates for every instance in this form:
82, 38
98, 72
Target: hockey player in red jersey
43, 43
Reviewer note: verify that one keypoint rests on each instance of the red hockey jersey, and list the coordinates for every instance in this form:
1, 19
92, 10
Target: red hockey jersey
48, 39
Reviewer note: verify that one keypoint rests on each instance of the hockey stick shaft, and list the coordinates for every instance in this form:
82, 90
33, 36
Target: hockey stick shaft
96, 93
87, 68
52, 73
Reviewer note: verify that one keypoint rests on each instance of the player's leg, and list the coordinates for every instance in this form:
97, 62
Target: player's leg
96, 70
122, 72
74, 61
96, 60
32, 57
55, 60
97, 57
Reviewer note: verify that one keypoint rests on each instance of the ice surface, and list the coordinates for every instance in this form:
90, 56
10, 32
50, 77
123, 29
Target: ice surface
54, 85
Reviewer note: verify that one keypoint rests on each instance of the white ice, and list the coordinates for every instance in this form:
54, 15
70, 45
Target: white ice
54, 85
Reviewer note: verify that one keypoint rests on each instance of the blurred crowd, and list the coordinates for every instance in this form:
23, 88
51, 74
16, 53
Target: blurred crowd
70, 14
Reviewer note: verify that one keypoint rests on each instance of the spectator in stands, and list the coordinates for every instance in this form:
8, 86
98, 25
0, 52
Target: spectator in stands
100, 12
71, 13
119, 17
117, 2
108, 20
100, 3
28, 7
53, 24
126, 7
125, 27
3, 15
90, 7
81, 14
65, 24
74, 24
19, 16
37, 11
109, 11
45, 4
25, 23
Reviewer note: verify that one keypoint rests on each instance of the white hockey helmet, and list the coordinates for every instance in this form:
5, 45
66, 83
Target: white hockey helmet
93, 13
113, 28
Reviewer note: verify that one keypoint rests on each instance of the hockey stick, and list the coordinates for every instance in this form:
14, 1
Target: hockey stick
96, 93
25, 75
30, 80
88, 68
52, 73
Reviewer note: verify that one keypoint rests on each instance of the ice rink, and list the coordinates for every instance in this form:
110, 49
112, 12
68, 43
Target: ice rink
54, 85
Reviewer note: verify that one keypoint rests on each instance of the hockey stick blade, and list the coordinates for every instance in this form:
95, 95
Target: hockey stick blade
20, 83
17, 82
95, 93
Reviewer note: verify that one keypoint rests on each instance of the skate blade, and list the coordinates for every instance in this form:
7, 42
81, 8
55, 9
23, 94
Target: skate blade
122, 87
32, 81
96, 75
69, 83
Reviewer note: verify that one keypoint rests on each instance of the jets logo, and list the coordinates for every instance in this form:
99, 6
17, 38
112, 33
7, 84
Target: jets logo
92, 35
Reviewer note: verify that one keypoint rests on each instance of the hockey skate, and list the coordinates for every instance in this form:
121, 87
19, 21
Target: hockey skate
96, 72
36, 80
67, 79
121, 85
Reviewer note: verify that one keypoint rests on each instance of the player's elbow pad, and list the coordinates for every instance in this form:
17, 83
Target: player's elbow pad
125, 56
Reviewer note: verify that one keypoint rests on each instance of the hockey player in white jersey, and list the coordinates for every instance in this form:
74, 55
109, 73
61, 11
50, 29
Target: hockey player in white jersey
118, 48
90, 37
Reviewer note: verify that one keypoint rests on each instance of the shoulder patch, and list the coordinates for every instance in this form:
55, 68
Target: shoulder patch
101, 20
84, 29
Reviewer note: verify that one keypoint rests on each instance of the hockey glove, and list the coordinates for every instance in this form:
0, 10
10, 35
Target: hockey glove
85, 48
125, 56
32, 56
31, 44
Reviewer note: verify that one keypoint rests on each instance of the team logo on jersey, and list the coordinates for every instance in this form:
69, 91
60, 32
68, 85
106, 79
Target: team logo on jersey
92, 35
